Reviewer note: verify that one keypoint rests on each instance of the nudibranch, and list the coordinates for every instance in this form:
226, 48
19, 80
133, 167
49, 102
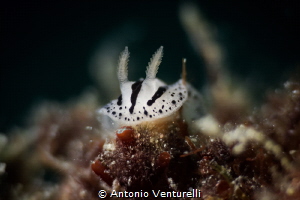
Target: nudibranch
147, 99
149, 122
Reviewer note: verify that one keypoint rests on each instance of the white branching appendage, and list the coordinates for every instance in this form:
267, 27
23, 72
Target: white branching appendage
242, 135
122, 68
154, 63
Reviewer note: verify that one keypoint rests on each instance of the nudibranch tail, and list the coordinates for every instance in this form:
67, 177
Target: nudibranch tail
154, 63
122, 68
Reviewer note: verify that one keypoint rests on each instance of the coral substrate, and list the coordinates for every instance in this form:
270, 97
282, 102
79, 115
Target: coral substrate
64, 155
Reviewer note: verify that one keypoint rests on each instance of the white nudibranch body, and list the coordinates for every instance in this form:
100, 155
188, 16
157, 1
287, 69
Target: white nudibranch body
148, 99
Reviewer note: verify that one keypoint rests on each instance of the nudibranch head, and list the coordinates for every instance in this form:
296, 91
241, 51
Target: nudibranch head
147, 99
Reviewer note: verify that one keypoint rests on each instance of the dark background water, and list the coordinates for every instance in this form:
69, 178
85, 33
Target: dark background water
47, 47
